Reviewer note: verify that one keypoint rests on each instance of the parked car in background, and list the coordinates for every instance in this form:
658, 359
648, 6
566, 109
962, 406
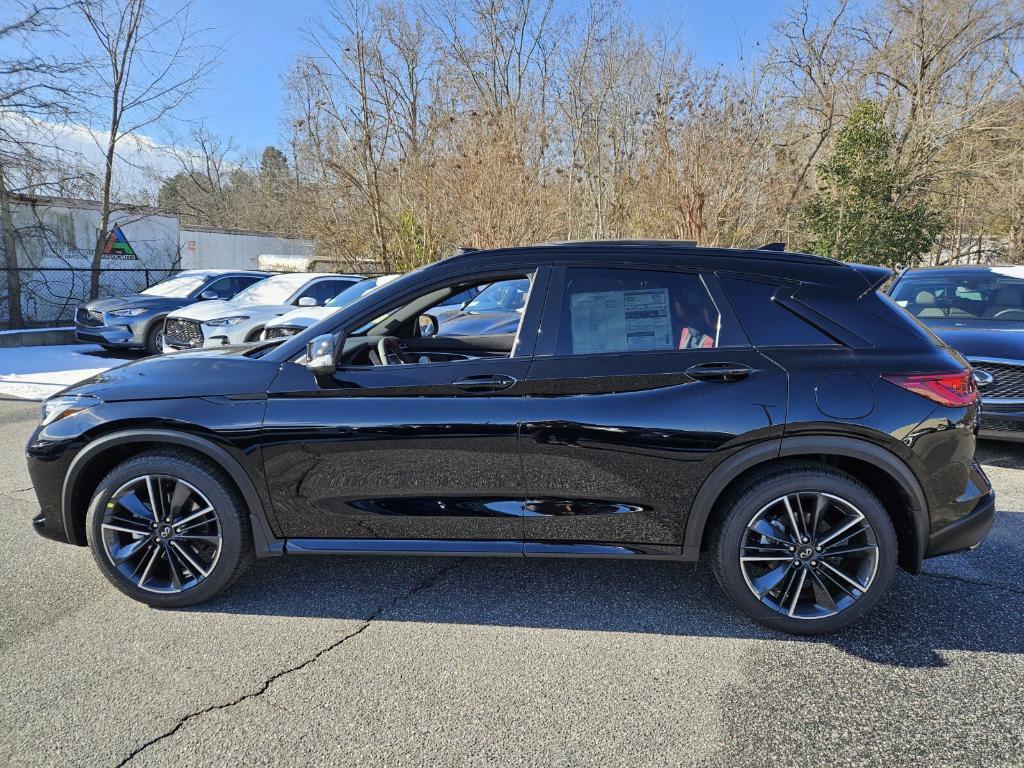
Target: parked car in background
136, 321
767, 411
219, 323
496, 309
299, 319
978, 311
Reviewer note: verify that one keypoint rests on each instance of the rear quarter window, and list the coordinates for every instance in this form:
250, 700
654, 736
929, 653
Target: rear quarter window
768, 323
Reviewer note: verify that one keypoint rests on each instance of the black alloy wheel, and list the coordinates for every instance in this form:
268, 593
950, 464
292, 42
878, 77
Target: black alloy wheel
169, 529
803, 547
161, 533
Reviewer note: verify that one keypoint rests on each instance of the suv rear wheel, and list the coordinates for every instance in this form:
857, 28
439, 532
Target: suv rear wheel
804, 548
168, 530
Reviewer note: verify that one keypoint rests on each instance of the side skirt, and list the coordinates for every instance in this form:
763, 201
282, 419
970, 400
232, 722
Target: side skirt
476, 549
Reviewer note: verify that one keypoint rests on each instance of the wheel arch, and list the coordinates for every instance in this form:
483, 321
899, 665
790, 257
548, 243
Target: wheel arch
102, 454
886, 474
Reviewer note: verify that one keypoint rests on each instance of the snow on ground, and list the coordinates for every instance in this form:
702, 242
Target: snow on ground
35, 373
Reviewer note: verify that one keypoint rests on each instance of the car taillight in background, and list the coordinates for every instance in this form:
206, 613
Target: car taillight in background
955, 389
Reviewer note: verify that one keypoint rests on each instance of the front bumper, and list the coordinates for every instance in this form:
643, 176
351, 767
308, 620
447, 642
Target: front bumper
967, 532
108, 335
1002, 420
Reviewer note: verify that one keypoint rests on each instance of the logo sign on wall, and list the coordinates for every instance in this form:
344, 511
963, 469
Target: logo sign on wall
118, 247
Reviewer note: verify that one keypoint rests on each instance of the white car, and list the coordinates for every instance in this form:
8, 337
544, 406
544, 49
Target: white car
299, 320
216, 323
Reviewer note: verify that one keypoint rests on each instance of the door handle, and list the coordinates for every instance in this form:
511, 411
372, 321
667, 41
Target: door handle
484, 383
722, 372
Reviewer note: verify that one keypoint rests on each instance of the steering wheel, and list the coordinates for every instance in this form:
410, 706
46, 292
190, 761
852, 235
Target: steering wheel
389, 349
1000, 313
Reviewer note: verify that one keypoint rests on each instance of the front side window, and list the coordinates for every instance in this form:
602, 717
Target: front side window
324, 290
621, 310
224, 288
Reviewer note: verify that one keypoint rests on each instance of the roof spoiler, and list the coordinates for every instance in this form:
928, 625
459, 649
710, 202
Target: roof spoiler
873, 274
773, 247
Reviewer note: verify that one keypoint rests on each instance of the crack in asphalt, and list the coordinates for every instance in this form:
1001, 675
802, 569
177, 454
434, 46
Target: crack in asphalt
975, 582
424, 585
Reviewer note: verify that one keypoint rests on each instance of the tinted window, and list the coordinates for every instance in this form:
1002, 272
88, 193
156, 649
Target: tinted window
225, 287
982, 294
462, 298
623, 310
767, 323
325, 290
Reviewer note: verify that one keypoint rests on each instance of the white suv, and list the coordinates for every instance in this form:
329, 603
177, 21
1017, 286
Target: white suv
216, 323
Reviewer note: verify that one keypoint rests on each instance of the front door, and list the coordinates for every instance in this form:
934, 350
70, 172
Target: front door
425, 449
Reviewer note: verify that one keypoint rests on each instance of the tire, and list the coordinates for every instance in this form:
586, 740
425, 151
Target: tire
755, 516
168, 565
155, 338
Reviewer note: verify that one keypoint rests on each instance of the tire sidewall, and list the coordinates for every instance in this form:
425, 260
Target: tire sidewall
154, 337
210, 486
751, 502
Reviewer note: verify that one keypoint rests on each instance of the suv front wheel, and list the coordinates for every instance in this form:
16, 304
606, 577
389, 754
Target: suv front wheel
804, 548
167, 529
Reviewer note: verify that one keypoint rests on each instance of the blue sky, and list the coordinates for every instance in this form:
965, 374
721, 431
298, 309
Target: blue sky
243, 97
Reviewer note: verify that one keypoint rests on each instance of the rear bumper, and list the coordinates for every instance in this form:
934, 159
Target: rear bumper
967, 532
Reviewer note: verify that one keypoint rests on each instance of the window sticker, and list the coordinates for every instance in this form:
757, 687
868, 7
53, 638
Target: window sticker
621, 321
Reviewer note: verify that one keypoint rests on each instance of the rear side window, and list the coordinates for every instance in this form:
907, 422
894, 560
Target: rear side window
768, 323
622, 310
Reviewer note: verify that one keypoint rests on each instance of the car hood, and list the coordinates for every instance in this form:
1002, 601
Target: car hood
974, 341
219, 371
209, 310
138, 300
479, 323
304, 316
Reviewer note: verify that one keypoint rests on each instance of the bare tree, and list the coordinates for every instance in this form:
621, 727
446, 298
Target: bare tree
36, 90
150, 61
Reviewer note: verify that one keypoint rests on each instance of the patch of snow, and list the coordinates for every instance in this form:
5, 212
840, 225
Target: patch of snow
35, 373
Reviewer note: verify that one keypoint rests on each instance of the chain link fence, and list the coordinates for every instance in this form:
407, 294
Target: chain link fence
48, 296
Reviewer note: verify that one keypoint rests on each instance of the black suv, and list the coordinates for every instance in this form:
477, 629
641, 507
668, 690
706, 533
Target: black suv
770, 411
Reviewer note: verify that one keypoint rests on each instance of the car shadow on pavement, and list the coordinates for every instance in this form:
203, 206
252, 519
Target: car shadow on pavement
919, 620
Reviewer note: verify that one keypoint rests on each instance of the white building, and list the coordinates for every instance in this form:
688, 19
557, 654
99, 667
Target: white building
55, 240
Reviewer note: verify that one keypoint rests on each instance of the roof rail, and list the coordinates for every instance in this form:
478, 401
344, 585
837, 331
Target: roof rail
773, 247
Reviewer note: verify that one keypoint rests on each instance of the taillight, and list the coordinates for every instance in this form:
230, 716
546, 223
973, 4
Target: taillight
955, 389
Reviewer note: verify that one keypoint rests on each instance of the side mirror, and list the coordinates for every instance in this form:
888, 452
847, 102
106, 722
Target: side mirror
208, 296
321, 354
307, 301
426, 326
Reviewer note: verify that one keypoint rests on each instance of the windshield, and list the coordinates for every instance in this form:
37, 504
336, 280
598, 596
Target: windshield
274, 290
995, 295
353, 292
504, 296
177, 287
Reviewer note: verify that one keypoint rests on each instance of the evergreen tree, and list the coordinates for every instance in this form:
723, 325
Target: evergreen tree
861, 212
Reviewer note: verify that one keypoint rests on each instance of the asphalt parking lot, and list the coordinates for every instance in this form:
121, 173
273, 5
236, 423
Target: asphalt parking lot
386, 661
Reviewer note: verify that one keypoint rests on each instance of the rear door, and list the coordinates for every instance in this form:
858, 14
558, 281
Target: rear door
642, 382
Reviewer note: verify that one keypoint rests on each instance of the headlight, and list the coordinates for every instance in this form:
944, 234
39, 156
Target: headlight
130, 312
57, 408
223, 321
